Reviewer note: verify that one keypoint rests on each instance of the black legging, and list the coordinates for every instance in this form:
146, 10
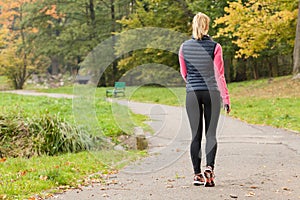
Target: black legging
197, 104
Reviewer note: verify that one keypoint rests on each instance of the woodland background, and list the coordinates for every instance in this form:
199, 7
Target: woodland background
52, 37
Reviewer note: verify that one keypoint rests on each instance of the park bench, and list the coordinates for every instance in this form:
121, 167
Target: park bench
118, 88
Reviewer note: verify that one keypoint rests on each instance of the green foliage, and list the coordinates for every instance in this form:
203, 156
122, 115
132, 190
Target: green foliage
57, 36
4, 83
171, 15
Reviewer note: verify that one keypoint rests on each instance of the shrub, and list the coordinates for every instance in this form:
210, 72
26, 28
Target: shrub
41, 135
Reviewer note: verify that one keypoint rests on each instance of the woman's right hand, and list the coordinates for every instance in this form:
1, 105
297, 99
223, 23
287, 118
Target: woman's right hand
227, 108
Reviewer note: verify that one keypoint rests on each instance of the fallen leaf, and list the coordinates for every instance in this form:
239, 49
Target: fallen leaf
250, 194
105, 195
23, 173
253, 187
49, 195
68, 163
2, 160
114, 182
43, 178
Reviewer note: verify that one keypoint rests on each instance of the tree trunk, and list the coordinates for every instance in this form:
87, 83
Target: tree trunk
131, 5
269, 60
93, 17
275, 66
113, 30
54, 65
23, 71
255, 69
296, 68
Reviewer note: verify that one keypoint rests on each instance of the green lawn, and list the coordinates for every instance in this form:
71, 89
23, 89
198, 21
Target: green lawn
30, 106
21, 178
264, 102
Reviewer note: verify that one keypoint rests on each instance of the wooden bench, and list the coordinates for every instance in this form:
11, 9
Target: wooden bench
118, 88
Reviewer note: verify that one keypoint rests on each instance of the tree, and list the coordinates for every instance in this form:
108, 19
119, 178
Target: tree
259, 25
17, 59
296, 68
70, 29
262, 30
173, 15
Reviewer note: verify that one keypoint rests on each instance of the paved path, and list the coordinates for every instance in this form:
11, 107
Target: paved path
253, 162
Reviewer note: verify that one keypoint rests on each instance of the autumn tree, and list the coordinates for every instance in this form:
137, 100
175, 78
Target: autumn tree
69, 30
17, 58
261, 29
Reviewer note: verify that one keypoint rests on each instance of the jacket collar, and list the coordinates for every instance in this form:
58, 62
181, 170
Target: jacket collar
205, 37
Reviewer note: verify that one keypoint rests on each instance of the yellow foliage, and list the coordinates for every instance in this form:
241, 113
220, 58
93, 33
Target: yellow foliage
257, 25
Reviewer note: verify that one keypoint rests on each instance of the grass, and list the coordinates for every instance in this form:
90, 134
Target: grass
169, 96
264, 102
30, 106
60, 90
41, 176
174, 96
22, 178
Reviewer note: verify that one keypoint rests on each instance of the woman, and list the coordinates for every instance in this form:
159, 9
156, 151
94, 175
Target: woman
202, 68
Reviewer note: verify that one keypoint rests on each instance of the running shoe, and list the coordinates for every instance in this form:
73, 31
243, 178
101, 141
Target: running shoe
209, 177
199, 180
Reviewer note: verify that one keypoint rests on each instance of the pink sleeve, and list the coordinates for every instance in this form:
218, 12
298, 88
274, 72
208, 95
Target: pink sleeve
183, 69
219, 74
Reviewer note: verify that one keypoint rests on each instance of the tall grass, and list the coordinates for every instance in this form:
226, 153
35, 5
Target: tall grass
40, 135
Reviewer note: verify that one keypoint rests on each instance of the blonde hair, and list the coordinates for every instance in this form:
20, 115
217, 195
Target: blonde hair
200, 25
